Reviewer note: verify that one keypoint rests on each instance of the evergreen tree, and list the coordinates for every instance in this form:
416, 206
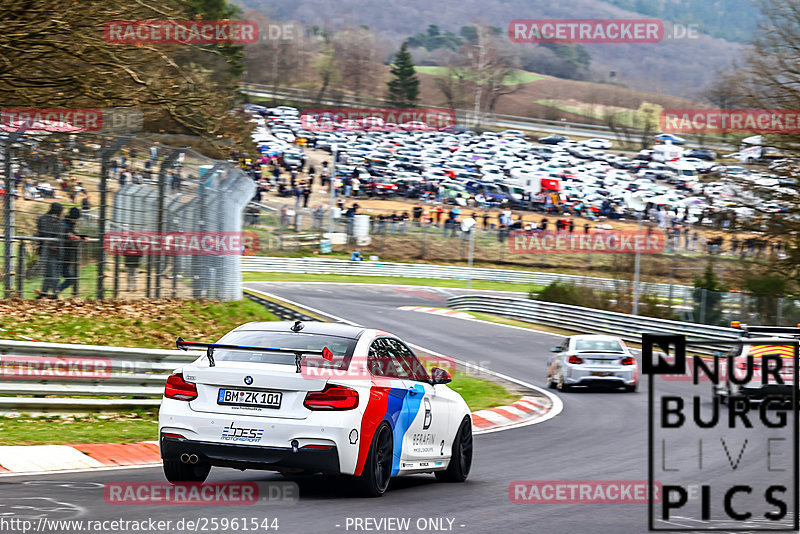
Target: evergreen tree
404, 85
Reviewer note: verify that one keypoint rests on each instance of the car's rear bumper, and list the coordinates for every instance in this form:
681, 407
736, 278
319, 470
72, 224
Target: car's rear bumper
253, 456
576, 376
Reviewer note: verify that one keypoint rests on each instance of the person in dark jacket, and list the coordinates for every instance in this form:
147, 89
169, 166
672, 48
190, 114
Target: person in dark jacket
50, 226
70, 240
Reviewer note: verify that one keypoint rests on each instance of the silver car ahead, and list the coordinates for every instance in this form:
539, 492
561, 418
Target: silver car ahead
592, 360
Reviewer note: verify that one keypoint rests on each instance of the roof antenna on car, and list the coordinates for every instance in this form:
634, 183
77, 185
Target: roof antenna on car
297, 326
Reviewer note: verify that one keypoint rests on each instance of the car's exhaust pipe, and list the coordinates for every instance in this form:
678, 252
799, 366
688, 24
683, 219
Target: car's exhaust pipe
185, 458
193, 458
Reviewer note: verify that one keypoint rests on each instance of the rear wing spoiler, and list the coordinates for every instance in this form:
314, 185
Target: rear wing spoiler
210, 347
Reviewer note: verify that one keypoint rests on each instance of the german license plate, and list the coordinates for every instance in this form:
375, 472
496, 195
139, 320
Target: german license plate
602, 373
239, 397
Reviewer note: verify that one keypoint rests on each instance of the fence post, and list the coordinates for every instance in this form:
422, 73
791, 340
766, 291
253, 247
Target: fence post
8, 213
20, 267
105, 155
162, 192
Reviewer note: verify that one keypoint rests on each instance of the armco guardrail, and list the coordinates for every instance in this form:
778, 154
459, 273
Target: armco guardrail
32, 373
444, 272
587, 320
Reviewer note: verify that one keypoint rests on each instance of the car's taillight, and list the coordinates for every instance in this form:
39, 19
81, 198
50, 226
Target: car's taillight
332, 398
575, 359
628, 360
743, 366
179, 389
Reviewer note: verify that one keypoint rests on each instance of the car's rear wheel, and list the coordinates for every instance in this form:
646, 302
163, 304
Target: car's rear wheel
178, 472
378, 468
461, 456
632, 388
561, 386
550, 382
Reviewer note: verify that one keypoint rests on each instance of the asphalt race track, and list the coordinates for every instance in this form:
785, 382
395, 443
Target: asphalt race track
600, 435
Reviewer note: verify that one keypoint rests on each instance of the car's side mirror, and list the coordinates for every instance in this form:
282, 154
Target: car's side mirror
440, 376
555, 349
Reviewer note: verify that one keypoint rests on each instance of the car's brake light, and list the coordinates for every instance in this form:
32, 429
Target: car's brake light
743, 366
169, 435
332, 398
179, 389
628, 360
575, 359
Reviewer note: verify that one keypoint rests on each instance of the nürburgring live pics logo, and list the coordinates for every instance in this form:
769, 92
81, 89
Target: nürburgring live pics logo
744, 460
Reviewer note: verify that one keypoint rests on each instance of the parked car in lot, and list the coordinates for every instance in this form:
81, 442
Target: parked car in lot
674, 139
592, 360
702, 153
552, 139
597, 144
313, 398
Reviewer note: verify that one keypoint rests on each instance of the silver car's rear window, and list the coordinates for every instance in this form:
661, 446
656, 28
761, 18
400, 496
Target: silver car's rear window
598, 345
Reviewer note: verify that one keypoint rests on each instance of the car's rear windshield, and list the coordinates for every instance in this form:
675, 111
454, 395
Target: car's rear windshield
341, 347
599, 345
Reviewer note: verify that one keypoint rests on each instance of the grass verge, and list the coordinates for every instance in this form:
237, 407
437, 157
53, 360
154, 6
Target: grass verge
390, 280
119, 428
145, 324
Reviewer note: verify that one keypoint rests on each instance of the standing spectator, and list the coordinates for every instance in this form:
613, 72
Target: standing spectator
50, 226
85, 203
69, 249
298, 194
355, 183
438, 215
485, 220
306, 194
416, 212
571, 226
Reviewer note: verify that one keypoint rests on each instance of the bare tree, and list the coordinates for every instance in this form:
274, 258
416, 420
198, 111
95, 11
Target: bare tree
490, 68
356, 51
53, 53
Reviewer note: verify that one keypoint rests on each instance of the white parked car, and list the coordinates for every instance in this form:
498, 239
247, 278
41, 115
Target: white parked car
313, 398
597, 144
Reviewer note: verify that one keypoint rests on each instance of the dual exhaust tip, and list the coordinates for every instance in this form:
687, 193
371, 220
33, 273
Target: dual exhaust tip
187, 458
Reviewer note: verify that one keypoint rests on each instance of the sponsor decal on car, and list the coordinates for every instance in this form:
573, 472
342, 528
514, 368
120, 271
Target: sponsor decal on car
234, 433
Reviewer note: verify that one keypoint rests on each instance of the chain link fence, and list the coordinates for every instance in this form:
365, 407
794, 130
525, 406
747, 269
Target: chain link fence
123, 217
